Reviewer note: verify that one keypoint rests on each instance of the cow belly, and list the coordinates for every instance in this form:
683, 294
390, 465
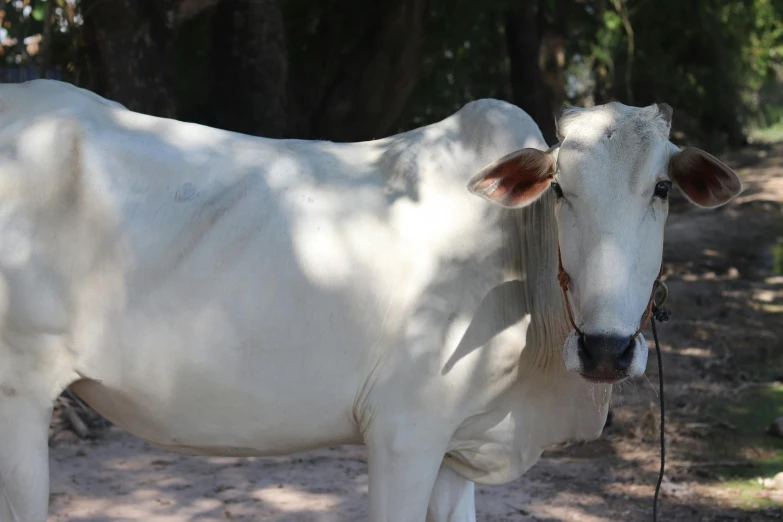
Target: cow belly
251, 358
208, 421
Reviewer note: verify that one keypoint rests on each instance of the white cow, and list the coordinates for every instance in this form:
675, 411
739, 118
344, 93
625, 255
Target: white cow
220, 294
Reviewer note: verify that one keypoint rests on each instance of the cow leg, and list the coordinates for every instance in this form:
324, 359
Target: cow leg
24, 458
403, 466
452, 499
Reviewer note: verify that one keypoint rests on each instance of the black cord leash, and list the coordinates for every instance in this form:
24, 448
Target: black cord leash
653, 312
661, 314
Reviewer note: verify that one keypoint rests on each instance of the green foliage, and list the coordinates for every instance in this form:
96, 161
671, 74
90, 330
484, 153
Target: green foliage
19, 24
769, 134
23, 23
716, 61
38, 12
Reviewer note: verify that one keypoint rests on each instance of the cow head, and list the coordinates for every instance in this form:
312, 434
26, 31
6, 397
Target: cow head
611, 173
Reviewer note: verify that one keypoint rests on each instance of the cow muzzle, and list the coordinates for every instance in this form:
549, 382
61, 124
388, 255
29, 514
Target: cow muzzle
607, 357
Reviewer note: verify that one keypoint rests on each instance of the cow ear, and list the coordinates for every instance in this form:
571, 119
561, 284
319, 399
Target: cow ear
516, 179
703, 179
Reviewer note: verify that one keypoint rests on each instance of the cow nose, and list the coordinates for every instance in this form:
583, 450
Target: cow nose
606, 358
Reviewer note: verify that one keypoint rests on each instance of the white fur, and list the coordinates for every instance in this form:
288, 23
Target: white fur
610, 224
221, 294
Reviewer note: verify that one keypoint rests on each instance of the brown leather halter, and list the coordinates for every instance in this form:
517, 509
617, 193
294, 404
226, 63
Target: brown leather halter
654, 309
563, 280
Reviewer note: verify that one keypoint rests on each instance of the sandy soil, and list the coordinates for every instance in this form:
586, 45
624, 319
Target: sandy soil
725, 336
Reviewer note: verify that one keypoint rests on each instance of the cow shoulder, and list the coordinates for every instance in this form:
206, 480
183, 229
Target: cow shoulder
496, 128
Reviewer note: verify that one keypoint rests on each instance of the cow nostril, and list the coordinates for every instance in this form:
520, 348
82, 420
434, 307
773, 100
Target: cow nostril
627, 356
605, 358
584, 353
629, 348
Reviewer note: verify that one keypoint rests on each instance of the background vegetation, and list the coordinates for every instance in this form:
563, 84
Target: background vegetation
354, 70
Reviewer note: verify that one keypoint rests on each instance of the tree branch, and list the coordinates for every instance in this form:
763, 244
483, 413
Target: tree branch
621, 6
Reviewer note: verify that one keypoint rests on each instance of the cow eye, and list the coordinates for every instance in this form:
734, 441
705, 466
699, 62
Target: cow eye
662, 189
557, 189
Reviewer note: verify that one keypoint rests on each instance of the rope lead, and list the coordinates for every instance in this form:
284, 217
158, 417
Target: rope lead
659, 314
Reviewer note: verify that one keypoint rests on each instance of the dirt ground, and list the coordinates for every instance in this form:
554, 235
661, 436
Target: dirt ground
722, 354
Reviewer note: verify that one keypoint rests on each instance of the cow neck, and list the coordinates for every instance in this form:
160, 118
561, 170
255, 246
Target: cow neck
535, 229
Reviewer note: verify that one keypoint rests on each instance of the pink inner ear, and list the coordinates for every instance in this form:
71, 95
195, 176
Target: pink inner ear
522, 175
704, 179
527, 190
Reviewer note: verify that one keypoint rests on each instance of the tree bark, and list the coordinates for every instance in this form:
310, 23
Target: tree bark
127, 47
523, 33
250, 67
46, 38
367, 63
553, 52
188, 9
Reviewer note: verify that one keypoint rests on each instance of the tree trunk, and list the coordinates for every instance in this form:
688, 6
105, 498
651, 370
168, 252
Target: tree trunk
46, 39
250, 67
552, 57
523, 32
127, 46
361, 69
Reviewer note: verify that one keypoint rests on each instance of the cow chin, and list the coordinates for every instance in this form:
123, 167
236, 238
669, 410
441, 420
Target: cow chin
574, 363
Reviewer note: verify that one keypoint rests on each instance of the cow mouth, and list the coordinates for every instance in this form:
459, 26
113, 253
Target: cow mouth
603, 379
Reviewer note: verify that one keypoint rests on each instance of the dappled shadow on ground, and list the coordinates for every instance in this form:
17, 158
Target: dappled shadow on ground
124, 478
